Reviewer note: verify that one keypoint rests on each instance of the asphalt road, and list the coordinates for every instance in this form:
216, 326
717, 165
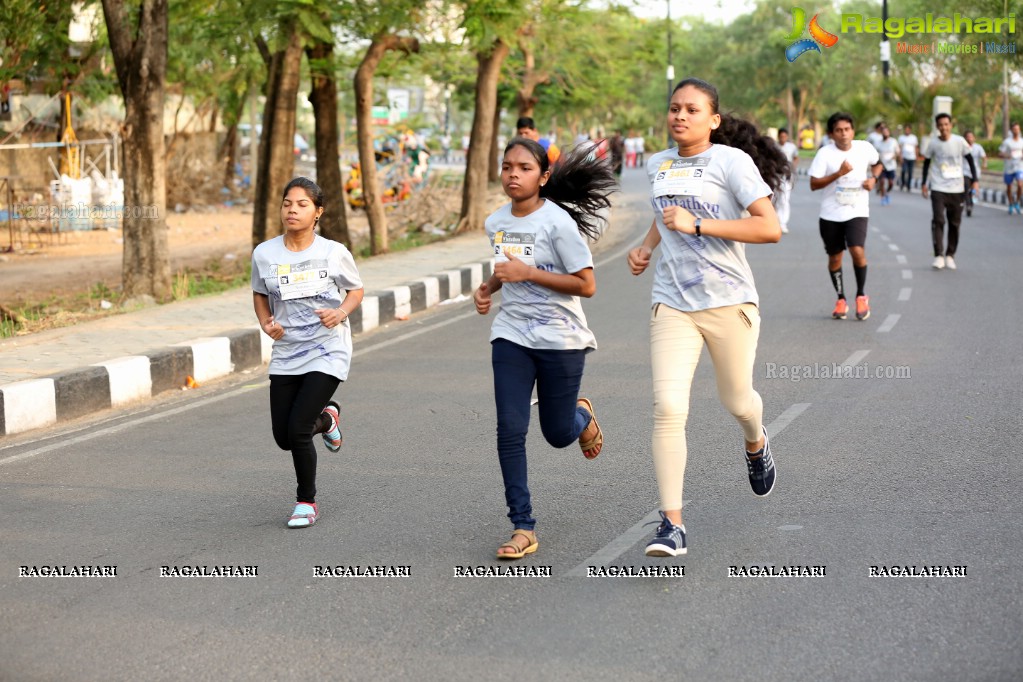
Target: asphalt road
912, 467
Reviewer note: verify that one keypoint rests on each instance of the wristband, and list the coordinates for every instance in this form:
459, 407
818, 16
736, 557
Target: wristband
697, 226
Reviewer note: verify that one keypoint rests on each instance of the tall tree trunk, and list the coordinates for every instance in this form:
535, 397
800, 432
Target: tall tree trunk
276, 163
229, 149
493, 170
333, 222
364, 127
474, 189
140, 57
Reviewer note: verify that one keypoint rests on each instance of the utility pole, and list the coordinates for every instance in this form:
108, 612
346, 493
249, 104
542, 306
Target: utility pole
670, 70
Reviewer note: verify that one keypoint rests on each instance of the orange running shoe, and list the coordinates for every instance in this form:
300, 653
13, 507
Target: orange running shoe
841, 308
862, 307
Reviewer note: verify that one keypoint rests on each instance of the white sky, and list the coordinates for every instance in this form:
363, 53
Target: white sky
712, 10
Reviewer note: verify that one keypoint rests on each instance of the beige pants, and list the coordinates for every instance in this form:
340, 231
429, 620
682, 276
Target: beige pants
676, 340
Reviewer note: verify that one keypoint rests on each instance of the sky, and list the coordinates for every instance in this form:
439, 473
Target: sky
711, 10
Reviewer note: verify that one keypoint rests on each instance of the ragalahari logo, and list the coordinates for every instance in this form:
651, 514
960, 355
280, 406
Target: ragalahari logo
818, 36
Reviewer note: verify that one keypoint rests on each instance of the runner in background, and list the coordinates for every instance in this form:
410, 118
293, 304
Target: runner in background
979, 164
846, 171
888, 151
784, 193
539, 336
1011, 150
526, 127
909, 145
304, 287
943, 180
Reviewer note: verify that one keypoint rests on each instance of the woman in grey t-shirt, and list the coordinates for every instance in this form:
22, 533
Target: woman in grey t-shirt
539, 336
304, 287
710, 200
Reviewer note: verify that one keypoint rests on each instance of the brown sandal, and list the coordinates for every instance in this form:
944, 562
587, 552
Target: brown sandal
591, 448
518, 550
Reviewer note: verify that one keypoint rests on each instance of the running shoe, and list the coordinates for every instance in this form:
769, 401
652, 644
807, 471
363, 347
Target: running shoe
669, 540
950, 263
760, 465
841, 309
332, 436
938, 263
862, 307
305, 515
784, 229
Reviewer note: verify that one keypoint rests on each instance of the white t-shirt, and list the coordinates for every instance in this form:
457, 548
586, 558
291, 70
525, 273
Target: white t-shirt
978, 153
887, 151
630, 145
845, 198
699, 273
789, 150
1013, 147
874, 138
297, 283
909, 144
946, 171
532, 315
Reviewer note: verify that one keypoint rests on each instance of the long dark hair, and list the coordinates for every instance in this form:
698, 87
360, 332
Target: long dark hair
580, 183
739, 133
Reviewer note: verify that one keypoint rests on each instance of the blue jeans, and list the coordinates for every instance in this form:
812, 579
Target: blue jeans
906, 177
557, 375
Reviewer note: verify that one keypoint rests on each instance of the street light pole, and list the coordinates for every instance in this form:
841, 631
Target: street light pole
886, 50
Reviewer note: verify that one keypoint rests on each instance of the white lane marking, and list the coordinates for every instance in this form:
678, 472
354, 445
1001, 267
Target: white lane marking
888, 323
900, 258
893, 247
131, 423
856, 358
875, 228
904, 293
612, 550
907, 274
885, 238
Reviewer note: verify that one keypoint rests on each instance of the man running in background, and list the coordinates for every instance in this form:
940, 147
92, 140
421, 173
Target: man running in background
888, 150
781, 205
846, 170
943, 171
526, 127
909, 144
1011, 150
979, 163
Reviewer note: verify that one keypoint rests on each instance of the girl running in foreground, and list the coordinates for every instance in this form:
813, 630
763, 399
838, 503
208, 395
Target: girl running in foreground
539, 335
709, 197
304, 287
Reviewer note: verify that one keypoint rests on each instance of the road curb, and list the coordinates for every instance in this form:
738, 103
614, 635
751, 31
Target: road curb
44, 401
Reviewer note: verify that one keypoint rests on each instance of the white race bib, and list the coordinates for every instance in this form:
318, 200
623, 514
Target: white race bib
522, 245
951, 171
303, 283
848, 190
680, 177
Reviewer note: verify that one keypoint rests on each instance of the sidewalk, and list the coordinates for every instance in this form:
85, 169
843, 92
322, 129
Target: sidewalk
63, 374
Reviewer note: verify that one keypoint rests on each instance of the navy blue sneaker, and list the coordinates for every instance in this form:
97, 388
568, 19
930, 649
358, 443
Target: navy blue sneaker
670, 540
761, 468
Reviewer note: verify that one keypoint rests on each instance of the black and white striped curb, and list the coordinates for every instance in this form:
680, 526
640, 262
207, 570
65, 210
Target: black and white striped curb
36, 403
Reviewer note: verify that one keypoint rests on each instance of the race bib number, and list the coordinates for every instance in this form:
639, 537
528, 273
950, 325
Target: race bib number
522, 245
848, 190
680, 177
1017, 153
301, 283
951, 171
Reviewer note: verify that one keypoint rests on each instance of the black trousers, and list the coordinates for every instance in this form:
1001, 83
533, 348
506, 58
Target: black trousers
945, 204
296, 402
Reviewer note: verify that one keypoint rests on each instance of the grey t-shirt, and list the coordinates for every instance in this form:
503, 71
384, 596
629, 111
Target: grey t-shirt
699, 273
531, 315
946, 171
1014, 148
297, 283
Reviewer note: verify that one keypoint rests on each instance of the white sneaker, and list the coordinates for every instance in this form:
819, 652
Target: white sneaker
784, 229
305, 515
949, 263
938, 263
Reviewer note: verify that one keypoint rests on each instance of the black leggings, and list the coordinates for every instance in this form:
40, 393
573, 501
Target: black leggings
296, 402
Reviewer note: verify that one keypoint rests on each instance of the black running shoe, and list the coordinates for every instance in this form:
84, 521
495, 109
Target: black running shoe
670, 540
761, 468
